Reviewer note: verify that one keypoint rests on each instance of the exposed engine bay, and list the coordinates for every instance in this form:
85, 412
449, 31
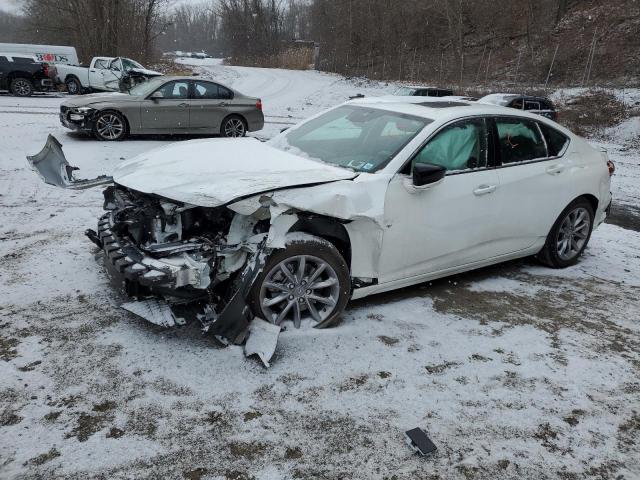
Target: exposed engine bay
182, 253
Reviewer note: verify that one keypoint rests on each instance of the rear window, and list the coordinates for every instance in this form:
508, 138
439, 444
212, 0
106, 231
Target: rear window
556, 141
23, 60
520, 140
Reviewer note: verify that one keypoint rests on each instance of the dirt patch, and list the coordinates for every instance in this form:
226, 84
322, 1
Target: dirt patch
251, 416
8, 349
388, 340
43, 458
248, 450
353, 383
440, 368
86, 425
591, 113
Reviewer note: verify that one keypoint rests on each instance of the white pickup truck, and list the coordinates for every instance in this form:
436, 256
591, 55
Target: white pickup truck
103, 74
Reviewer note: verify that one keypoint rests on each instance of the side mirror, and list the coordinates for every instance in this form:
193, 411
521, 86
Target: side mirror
157, 95
427, 173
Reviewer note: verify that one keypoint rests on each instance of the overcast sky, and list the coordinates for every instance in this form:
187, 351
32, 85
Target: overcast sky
10, 5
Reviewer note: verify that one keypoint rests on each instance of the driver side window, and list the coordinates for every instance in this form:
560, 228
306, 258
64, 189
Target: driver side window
459, 146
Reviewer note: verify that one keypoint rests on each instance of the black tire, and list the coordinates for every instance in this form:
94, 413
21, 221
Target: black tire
118, 124
21, 87
74, 87
302, 244
231, 125
550, 254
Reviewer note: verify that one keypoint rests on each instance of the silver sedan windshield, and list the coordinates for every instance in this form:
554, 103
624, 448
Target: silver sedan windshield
359, 138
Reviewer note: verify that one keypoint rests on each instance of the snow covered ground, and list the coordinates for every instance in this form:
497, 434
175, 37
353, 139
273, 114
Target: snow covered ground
515, 371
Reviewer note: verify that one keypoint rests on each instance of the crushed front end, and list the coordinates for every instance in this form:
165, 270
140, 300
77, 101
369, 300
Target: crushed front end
183, 254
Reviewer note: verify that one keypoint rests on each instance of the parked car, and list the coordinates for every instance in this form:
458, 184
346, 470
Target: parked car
43, 53
422, 91
166, 105
364, 198
22, 74
102, 74
539, 105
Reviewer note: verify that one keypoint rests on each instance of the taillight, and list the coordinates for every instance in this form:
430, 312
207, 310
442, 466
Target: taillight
611, 166
45, 69
259, 104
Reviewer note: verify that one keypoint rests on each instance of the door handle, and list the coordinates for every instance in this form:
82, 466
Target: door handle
484, 189
555, 169
183, 105
223, 104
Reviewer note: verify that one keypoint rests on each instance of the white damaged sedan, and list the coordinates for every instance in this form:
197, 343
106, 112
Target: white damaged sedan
370, 196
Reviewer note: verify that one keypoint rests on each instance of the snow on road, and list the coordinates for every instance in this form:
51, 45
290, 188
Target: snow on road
515, 371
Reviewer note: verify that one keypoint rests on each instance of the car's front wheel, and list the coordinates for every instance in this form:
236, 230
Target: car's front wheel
307, 283
233, 126
569, 235
110, 126
21, 87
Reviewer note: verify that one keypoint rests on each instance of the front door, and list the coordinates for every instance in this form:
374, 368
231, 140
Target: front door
210, 103
448, 224
169, 111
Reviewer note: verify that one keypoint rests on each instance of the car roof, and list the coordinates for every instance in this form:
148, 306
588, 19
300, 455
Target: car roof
424, 86
439, 108
505, 98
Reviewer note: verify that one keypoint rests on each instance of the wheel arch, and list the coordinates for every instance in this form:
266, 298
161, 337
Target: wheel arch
240, 116
328, 228
72, 76
592, 199
119, 112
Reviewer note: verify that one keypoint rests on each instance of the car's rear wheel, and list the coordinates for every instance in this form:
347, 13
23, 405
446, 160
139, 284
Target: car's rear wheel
110, 126
233, 126
21, 87
73, 86
569, 236
307, 284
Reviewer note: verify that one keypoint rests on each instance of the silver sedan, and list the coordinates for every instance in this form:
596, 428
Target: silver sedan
165, 105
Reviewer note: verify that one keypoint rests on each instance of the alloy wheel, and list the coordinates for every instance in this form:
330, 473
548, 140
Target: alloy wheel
22, 87
300, 288
573, 233
234, 127
110, 126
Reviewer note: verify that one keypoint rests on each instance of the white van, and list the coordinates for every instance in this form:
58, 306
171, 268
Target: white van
43, 53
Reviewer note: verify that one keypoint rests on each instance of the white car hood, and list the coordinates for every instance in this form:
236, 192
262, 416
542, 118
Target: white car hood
214, 172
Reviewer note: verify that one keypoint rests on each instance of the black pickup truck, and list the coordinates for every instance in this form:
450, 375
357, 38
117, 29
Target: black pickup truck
22, 75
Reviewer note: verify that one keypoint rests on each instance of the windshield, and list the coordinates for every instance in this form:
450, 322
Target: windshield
129, 64
363, 139
146, 88
406, 92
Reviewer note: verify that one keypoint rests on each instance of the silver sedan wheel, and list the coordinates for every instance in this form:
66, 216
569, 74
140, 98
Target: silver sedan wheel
300, 288
234, 127
109, 126
573, 233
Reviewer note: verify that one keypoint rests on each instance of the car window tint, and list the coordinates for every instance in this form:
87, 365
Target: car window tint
556, 141
175, 90
205, 90
517, 103
460, 146
224, 93
520, 140
530, 105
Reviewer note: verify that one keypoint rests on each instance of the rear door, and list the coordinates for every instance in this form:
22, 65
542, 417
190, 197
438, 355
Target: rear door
170, 112
210, 103
533, 181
